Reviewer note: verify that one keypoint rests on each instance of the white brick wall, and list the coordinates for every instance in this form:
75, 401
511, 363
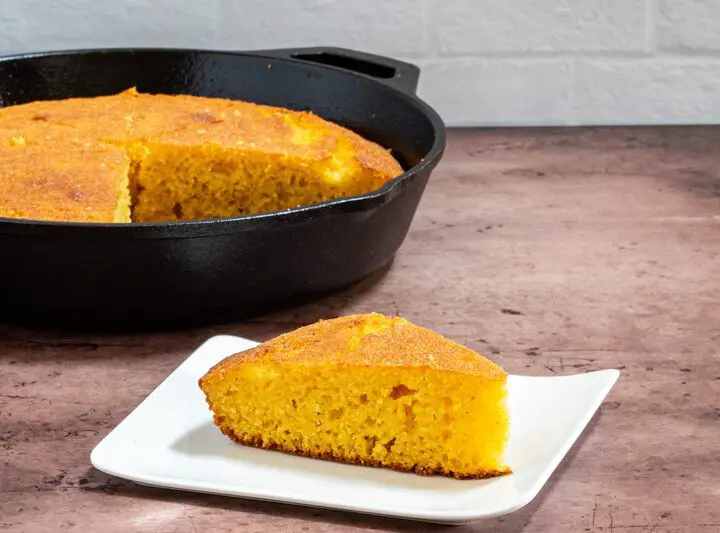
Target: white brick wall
666, 90
541, 26
514, 62
688, 25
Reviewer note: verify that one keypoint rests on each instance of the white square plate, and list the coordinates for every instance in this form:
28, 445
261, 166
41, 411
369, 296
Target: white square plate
170, 441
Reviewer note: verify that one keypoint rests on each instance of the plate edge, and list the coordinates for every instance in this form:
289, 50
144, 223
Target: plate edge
96, 455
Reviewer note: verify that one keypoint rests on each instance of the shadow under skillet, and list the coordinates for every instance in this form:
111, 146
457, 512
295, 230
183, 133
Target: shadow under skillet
325, 305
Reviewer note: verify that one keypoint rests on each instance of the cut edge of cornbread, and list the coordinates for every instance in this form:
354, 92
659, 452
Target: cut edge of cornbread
257, 442
192, 182
401, 409
123, 210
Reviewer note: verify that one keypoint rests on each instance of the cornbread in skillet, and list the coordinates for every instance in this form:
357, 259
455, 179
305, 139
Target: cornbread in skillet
80, 182
370, 390
195, 158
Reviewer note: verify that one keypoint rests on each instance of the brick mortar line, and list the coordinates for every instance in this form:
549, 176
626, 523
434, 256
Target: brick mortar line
690, 58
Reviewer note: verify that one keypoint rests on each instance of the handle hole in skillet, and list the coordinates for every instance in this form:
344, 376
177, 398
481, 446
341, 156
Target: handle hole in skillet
349, 63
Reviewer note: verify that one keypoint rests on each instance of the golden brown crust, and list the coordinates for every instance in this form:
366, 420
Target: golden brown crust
181, 120
160, 114
62, 182
368, 155
97, 119
65, 160
13, 135
256, 441
369, 340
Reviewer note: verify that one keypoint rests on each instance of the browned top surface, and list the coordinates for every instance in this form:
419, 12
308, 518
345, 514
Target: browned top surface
368, 340
30, 133
193, 121
77, 182
58, 159
553, 251
103, 118
185, 121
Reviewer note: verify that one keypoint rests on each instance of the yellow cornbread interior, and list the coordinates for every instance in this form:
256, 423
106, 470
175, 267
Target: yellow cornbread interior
123, 209
412, 419
208, 158
208, 181
370, 390
193, 157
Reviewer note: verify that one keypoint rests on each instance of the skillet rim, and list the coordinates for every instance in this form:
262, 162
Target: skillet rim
364, 202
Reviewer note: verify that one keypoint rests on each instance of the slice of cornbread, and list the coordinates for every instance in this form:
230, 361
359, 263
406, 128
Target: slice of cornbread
369, 390
209, 158
68, 181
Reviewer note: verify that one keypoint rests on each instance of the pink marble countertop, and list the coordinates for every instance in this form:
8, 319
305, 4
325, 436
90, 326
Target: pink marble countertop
603, 243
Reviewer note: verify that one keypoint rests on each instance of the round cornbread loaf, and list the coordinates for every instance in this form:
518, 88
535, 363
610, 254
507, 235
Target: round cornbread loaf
190, 157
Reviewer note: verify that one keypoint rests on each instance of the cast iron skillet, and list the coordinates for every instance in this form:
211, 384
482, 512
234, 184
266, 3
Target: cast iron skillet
180, 274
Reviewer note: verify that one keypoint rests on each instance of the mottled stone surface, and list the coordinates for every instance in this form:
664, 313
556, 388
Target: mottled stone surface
552, 251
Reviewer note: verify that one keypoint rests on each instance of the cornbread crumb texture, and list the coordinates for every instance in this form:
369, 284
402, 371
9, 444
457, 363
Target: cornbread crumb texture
194, 157
370, 390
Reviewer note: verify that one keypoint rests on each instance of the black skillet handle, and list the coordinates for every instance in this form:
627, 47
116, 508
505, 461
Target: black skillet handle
402, 76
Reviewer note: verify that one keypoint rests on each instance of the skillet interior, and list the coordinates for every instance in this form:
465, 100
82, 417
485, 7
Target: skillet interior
114, 275
374, 110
